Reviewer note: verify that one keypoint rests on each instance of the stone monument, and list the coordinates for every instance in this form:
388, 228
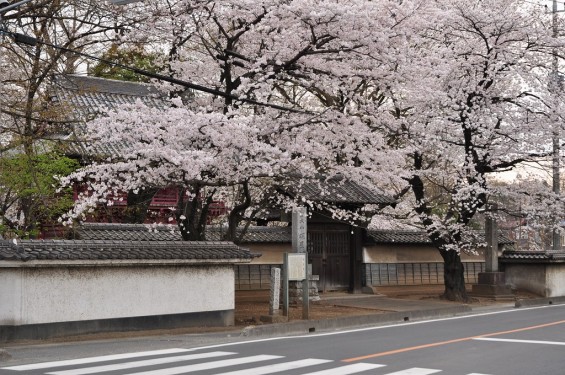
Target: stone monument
492, 283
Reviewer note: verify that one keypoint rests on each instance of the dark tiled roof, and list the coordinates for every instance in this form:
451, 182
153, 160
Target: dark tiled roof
417, 237
403, 237
258, 234
91, 96
121, 250
254, 234
520, 255
10, 251
140, 232
87, 97
336, 190
128, 232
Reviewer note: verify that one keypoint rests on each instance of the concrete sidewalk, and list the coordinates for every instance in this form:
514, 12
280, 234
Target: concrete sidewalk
393, 304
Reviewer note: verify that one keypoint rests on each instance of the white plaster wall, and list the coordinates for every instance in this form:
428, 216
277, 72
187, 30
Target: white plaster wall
44, 295
409, 254
530, 277
10, 295
555, 280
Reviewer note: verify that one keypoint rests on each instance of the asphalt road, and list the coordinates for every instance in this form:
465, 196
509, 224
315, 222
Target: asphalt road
527, 341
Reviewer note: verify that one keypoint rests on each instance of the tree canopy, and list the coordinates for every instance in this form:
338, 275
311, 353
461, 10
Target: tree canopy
425, 100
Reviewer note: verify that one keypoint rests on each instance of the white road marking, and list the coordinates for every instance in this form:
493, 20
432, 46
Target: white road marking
146, 362
366, 329
521, 341
348, 369
208, 365
415, 371
476, 373
104, 358
309, 336
285, 366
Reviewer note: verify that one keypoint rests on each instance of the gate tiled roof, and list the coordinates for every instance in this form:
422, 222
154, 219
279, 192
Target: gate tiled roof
336, 189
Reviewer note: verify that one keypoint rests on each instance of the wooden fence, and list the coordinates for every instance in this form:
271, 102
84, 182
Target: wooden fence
415, 273
255, 276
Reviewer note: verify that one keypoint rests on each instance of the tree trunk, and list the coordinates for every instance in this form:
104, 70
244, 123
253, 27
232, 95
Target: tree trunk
236, 215
195, 212
138, 205
453, 276
187, 215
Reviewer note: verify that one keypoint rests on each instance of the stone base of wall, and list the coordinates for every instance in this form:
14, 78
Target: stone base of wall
295, 290
44, 331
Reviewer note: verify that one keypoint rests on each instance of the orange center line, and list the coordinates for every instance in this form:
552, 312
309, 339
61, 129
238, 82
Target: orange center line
440, 343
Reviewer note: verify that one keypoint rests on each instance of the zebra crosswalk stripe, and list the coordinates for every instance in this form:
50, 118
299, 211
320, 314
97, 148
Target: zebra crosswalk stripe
270, 369
104, 358
215, 361
348, 369
147, 362
415, 371
208, 365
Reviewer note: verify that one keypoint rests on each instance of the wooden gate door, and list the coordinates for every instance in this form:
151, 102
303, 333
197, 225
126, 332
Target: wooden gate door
329, 253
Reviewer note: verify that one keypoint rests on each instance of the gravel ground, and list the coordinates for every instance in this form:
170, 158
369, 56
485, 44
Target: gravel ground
251, 305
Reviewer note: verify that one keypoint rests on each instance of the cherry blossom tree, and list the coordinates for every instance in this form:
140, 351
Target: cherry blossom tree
482, 103
28, 120
307, 56
424, 99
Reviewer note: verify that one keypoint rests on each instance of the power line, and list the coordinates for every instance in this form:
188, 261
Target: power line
25, 39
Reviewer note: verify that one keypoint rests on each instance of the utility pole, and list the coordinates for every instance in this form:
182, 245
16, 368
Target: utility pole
556, 149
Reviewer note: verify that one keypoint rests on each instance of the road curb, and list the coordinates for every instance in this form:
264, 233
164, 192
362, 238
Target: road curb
310, 326
540, 301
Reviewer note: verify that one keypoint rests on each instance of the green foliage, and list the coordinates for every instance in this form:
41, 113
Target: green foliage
28, 191
133, 57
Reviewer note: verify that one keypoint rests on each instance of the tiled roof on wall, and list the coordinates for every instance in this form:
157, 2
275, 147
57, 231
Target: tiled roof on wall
128, 232
256, 234
26, 250
394, 236
418, 237
521, 255
141, 232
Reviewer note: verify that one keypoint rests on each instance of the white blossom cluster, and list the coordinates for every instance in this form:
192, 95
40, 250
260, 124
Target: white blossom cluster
423, 100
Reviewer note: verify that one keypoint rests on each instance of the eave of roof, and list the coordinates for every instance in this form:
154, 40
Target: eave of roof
418, 237
521, 256
141, 232
336, 189
89, 97
254, 234
78, 250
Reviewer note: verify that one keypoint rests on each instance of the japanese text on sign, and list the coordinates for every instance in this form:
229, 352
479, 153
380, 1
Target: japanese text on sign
299, 236
296, 267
